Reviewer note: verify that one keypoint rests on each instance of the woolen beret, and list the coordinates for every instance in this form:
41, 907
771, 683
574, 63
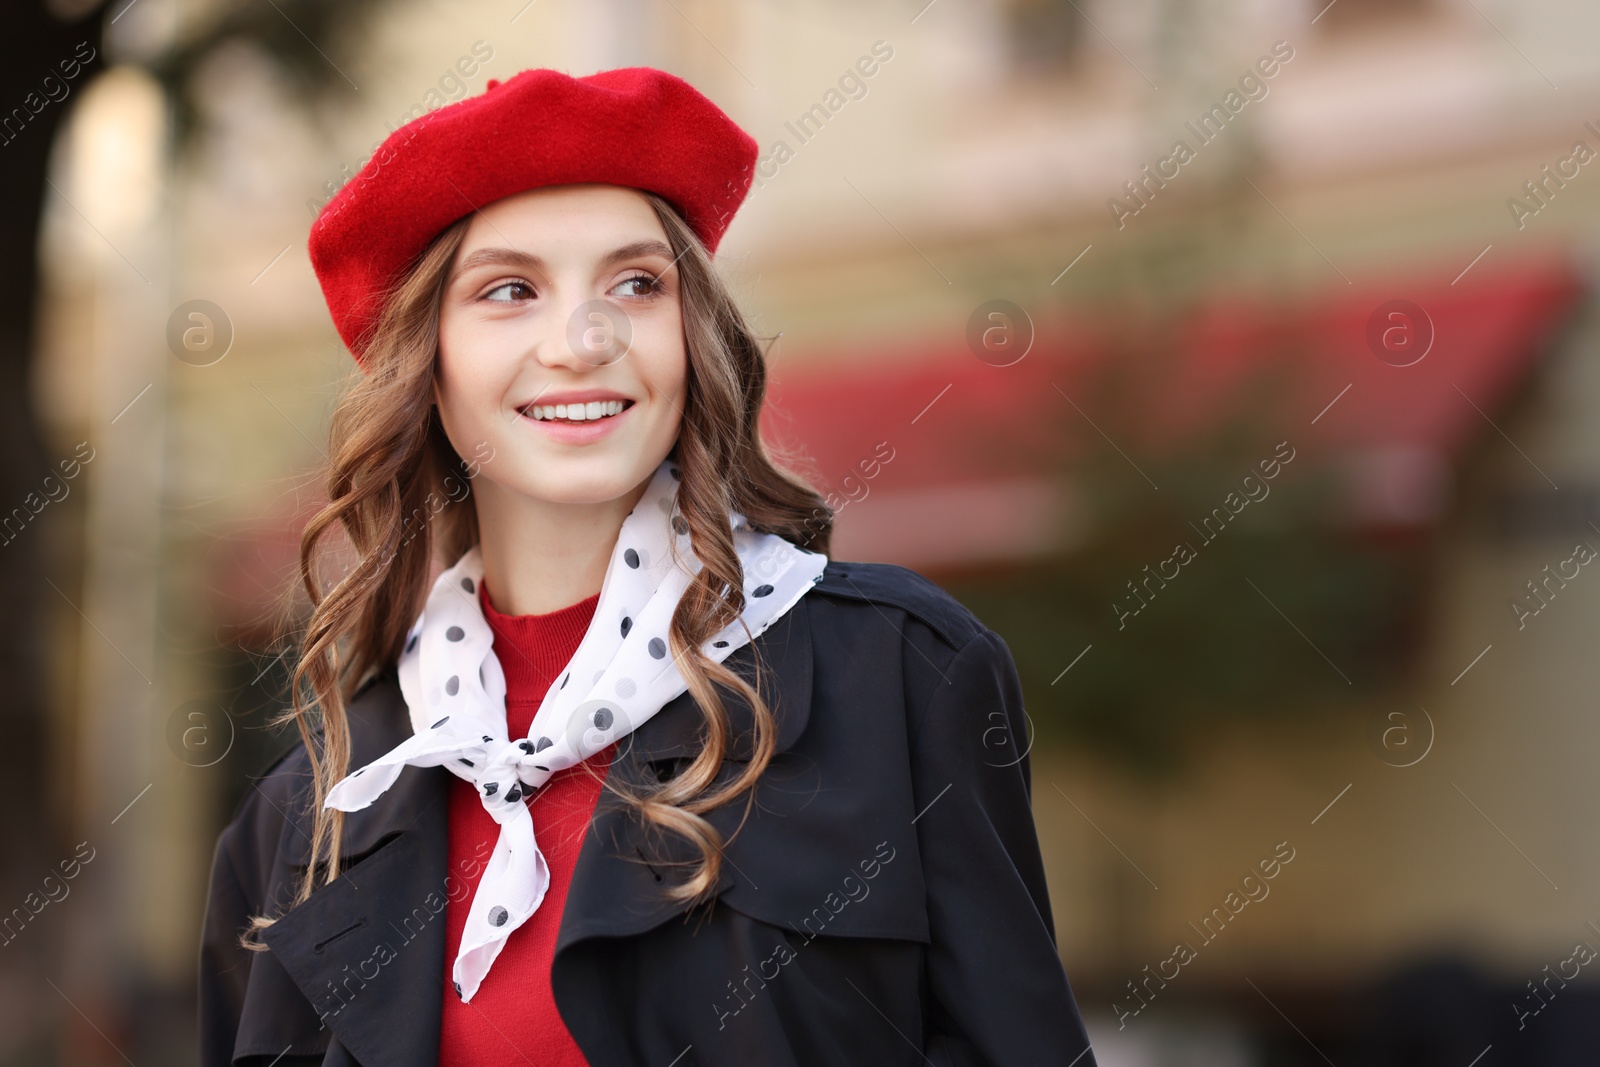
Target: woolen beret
635, 126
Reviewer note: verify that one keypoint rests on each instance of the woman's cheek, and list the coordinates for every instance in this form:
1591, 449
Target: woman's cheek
664, 356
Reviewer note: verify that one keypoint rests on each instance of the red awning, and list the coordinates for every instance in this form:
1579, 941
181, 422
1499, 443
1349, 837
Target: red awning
978, 449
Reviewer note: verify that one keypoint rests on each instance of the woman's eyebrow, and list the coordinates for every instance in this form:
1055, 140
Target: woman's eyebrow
513, 257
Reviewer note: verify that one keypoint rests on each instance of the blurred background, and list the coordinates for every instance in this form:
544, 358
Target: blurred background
1235, 360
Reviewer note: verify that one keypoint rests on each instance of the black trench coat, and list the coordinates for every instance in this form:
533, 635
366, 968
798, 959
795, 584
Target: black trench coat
885, 903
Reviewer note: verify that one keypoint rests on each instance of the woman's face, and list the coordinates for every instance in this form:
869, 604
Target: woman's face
562, 307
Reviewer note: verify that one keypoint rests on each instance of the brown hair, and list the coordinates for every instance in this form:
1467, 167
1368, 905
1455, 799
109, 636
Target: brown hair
388, 461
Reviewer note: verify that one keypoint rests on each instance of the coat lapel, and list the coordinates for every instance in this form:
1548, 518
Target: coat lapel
614, 892
367, 951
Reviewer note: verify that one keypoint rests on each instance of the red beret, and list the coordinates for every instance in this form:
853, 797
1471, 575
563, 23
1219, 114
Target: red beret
637, 127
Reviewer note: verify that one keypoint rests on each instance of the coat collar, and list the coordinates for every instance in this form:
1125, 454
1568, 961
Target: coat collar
368, 950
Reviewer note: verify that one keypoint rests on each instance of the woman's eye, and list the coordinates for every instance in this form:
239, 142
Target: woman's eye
509, 292
643, 285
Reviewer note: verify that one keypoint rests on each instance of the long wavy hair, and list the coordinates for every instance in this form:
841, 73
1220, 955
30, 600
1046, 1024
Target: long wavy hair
402, 495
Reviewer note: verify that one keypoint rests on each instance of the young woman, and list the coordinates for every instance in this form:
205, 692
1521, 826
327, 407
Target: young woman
603, 760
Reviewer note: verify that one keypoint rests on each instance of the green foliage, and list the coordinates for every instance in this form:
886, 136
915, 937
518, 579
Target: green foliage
1281, 610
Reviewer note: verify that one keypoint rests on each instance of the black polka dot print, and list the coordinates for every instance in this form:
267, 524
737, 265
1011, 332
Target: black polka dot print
498, 916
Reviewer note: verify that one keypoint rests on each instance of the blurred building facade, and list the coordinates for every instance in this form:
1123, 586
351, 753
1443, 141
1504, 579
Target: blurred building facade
918, 164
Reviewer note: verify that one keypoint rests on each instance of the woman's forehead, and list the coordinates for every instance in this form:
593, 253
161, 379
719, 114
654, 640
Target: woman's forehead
553, 223
589, 202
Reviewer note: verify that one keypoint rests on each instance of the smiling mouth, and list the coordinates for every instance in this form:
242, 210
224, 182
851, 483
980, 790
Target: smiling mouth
576, 414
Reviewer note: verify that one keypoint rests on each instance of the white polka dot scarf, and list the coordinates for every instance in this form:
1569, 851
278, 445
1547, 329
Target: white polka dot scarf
621, 675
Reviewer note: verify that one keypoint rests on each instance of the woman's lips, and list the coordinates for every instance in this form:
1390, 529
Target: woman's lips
577, 433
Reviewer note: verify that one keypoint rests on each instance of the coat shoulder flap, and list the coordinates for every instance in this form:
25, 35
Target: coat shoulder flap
901, 587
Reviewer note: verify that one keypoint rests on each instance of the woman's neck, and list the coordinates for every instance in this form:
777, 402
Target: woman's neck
540, 556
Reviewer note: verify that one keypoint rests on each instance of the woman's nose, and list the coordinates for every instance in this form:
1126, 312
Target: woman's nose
597, 332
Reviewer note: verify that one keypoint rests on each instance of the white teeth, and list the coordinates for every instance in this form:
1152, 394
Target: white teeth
595, 409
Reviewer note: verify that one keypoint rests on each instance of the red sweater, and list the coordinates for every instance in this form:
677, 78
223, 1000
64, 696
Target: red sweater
513, 1017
